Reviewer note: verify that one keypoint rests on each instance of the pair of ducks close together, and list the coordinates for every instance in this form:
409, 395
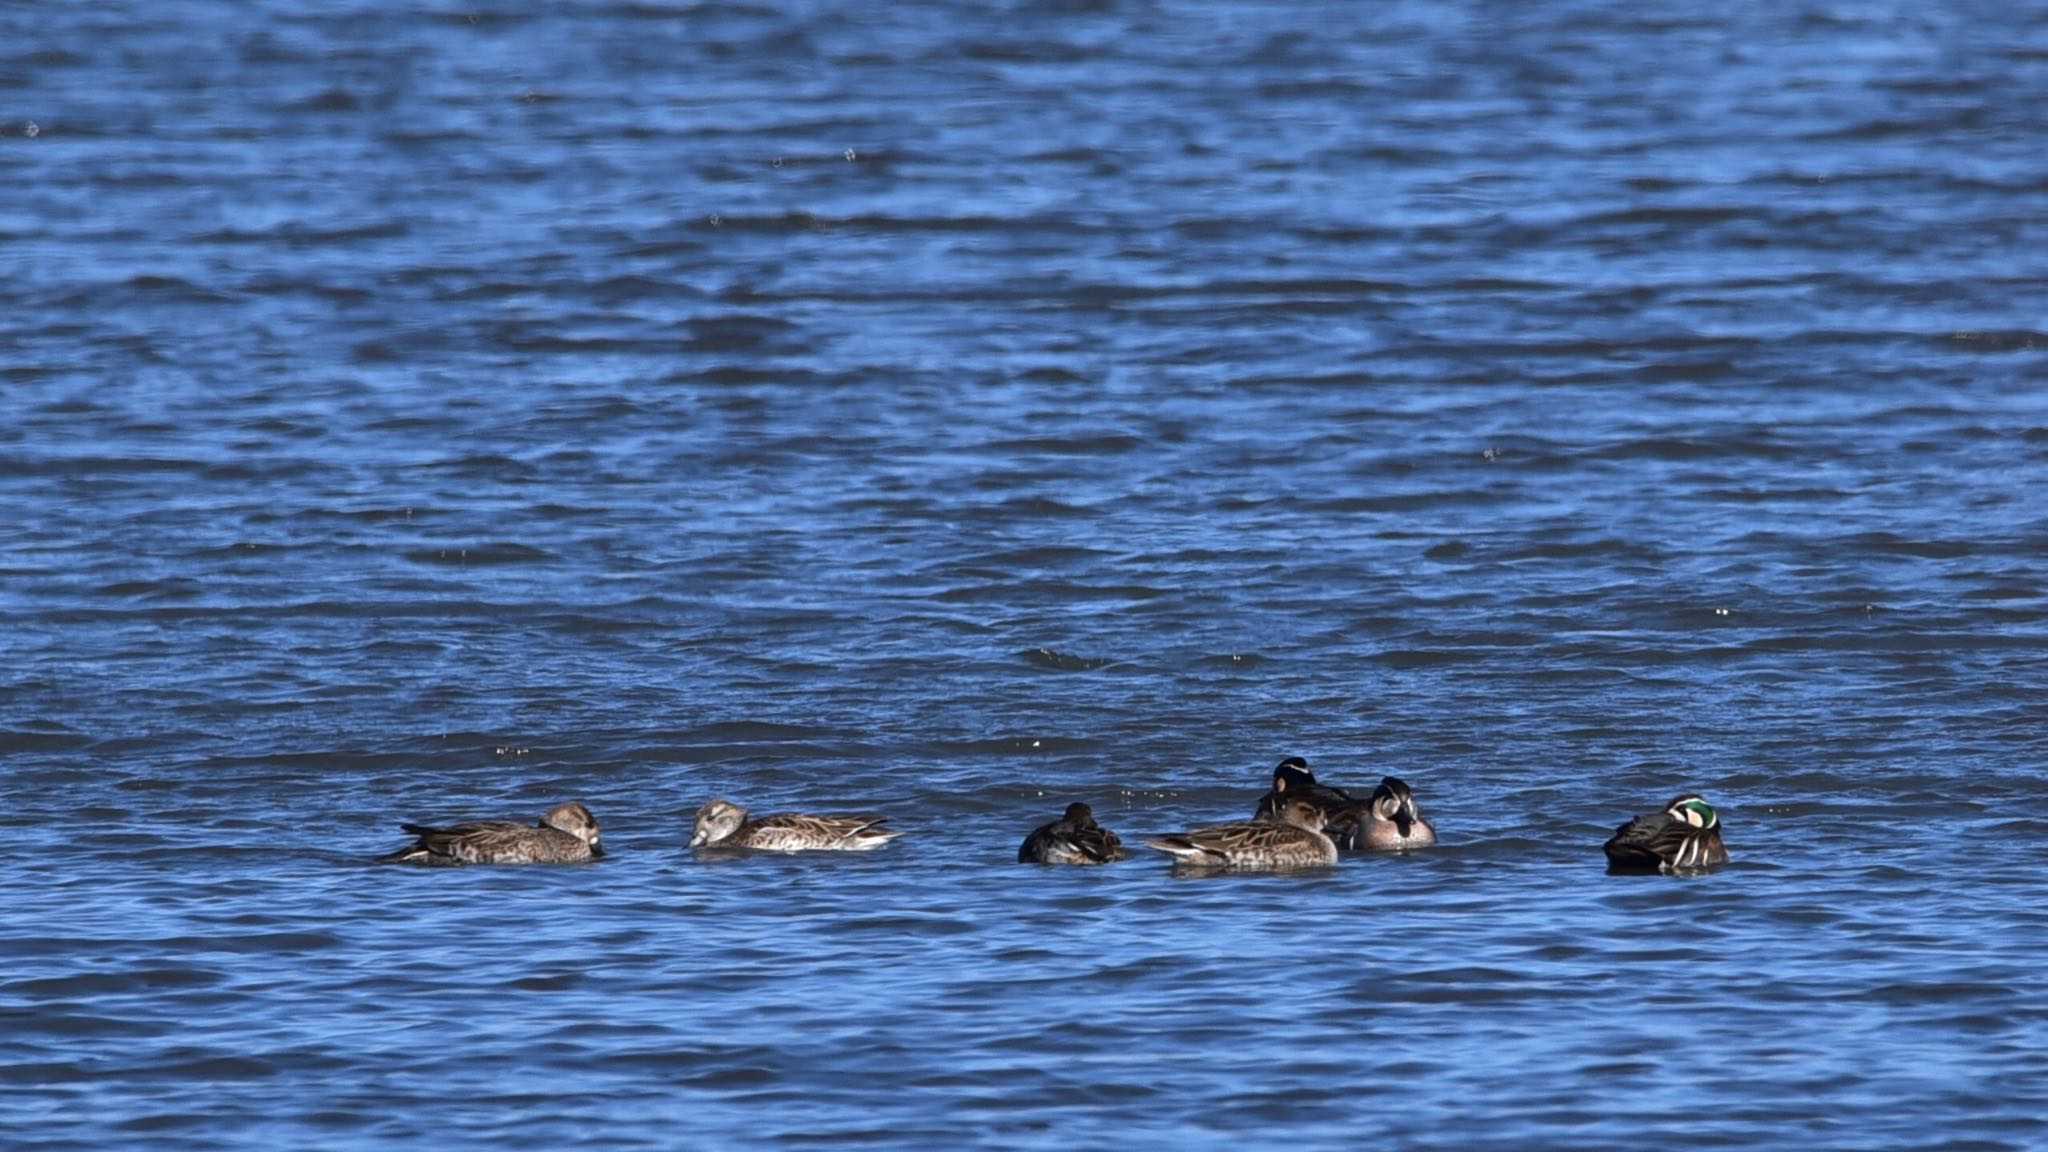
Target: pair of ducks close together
568, 834
1300, 823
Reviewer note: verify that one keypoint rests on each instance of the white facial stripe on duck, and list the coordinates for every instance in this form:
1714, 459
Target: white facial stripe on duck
1683, 836
1693, 810
1292, 772
1394, 803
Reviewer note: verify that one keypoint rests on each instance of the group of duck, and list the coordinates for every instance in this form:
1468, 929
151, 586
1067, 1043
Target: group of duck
1301, 823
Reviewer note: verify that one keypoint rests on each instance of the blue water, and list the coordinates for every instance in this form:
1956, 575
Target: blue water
417, 412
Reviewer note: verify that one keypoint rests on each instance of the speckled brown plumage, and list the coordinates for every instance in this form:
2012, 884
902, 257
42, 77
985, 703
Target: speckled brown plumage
724, 825
568, 834
1291, 838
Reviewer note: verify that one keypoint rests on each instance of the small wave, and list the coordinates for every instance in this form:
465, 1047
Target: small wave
480, 555
1065, 661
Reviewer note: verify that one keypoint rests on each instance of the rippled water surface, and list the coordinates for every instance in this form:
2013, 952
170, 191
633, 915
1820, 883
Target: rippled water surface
411, 412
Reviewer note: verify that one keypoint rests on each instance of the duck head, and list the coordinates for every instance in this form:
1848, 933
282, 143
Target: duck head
577, 821
1394, 803
716, 821
1292, 773
1694, 810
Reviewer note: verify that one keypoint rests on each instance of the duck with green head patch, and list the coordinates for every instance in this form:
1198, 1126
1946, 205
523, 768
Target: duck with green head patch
1684, 837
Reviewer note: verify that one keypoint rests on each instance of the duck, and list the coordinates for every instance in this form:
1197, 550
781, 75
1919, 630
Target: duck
1074, 838
567, 834
1292, 837
1684, 837
1293, 778
724, 825
1388, 822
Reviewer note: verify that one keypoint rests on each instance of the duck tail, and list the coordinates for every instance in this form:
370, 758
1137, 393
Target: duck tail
875, 833
1178, 847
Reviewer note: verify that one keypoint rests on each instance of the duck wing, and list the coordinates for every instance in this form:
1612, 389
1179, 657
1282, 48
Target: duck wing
1068, 842
1097, 843
795, 832
1249, 844
455, 844
1345, 823
1647, 843
1327, 799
